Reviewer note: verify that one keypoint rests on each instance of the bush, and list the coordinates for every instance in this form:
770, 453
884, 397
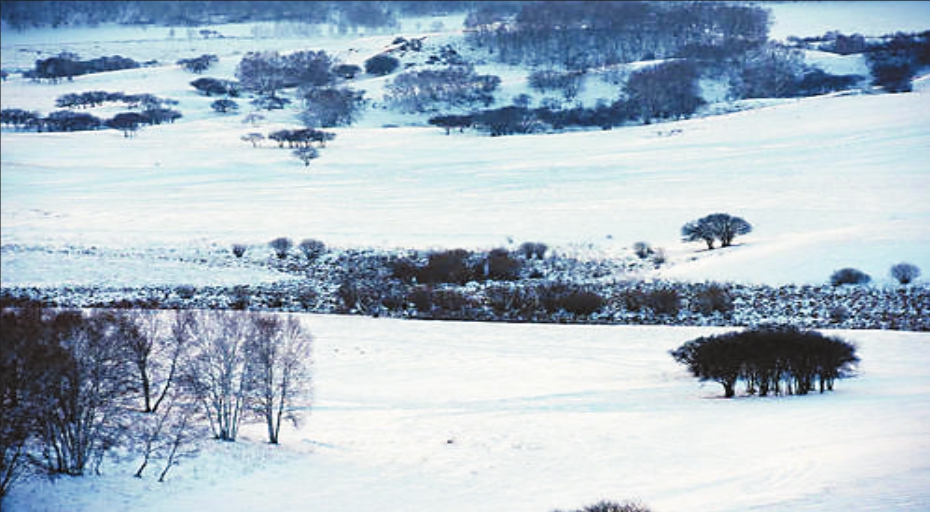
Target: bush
642, 249
501, 266
581, 302
612, 506
769, 359
381, 65
239, 250
224, 105
281, 246
713, 297
662, 301
312, 249
532, 250
849, 276
905, 272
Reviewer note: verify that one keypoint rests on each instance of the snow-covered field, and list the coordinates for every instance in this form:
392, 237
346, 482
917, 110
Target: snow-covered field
827, 182
465, 416
425, 416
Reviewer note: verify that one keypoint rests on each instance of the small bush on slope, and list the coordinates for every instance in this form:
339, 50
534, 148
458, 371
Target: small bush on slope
612, 506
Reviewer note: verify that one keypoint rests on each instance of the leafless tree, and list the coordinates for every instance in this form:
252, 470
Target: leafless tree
279, 359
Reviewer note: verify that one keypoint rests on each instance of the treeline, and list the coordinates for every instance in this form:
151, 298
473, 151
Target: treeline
894, 59
77, 385
152, 111
769, 359
68, 65
347, 15
584, 35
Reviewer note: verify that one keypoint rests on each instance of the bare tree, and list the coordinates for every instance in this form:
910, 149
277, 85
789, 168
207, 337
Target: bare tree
279, 358
92, 392
216, 374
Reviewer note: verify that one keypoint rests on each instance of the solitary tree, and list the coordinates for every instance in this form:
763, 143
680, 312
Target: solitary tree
905, 272
716, 226
306, 154
224, 105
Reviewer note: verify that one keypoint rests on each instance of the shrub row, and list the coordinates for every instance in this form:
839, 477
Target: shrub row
366, 287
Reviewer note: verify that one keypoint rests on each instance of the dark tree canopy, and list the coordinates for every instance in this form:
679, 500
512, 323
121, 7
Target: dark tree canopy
769, 359
716, 226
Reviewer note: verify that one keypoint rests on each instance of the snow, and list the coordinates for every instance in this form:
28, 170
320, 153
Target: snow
467, 416
871, 18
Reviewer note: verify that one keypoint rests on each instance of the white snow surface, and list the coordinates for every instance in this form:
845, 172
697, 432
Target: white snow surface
411, 416
425, 416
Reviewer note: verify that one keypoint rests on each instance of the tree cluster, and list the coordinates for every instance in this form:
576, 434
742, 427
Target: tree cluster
327, 107
199, 64
431, 89
67, 65
769, 359
216, 87
346, 15
895, 61
666, 91
91, 99
75, 385
583, 35
267, 72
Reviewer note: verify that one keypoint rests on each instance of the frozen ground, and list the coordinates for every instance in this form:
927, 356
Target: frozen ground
449, 416
425, 416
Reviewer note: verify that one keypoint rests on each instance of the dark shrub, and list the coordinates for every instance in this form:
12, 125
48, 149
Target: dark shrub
581, 302
532, 250
281, 246
849, 276
712, 297
662, 301
769, 359
642, 249
347, 71
501, 266
905, 272
422, 299
381, 65
446, 267
612, 506
239, 250
312, 249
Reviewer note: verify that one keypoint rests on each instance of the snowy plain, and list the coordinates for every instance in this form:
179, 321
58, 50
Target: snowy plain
464, 416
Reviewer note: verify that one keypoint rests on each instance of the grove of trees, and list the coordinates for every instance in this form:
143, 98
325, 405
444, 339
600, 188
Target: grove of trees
450, 87
769, 359
584, 35
76, 384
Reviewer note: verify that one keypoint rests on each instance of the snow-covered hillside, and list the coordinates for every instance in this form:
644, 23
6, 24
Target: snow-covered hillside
426, 416
827, 182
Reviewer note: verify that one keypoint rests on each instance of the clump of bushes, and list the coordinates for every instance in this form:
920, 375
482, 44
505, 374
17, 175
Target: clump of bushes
613, 506
769, 359
281, 246
662, 301
849, 275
